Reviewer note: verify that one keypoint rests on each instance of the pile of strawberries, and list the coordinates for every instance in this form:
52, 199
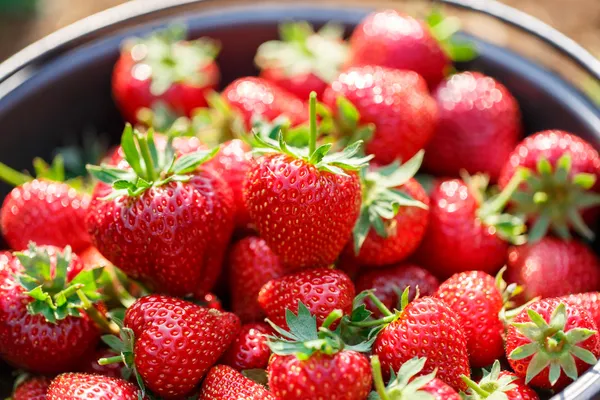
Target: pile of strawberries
361, 221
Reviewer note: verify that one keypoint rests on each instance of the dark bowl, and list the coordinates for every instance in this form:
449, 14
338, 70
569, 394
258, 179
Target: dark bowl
59, 87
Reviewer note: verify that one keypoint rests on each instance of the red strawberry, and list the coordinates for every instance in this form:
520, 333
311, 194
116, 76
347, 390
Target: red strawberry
551, 344
225, 383
210, 300
41, 313
304, 61
310, 197
396, 102
553, 267
389, 283
90, 364
322, 290
479, 125
32, 389
76, 386
166, 224
501, 385
589, 301
167, 69
251, 265
556, 163
249, 350
92, 258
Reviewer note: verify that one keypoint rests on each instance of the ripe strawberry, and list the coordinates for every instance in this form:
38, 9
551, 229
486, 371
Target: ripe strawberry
549, 336
396, 102
210, 300
322, 290
303, 61
589, 301
90, 364
31, 389
553, 267
77, 386
499, 384
476, 114
309, 197
164, 222
251, 264
167, 69
249, 350
225, 383
41, 313
561, 172
389, 283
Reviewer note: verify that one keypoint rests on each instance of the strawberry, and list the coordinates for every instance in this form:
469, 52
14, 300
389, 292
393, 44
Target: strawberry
77, 386
589, 301
164, 68
90, 364
499, 384
251, 264
303, 60
184, 339
225, 383
43, 293
31, 389
393, 215
561, 171
553, 267
404, 385
389, 283
307, 196
165, 220
249, 350
210, 300
476, 114
396, 102
550, 344
322, 290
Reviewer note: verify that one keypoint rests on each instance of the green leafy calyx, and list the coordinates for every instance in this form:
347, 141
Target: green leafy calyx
492, 386
404, 385
443, 30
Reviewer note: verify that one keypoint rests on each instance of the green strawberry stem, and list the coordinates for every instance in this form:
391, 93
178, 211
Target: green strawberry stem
95, 315
145, 150
380, 306
378, 378
499, 202
475, 387
110, 360
13, 177
331, 318
312, 140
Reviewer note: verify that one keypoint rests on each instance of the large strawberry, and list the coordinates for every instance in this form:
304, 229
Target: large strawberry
562, 170
550, 344
251, 264
396, 102
553, 267
31, 389
76, 386
249, 350
303, 60
166, 220
304, 196
589, 301
225, 383
497, 384
43, 294
166, 69
479, 126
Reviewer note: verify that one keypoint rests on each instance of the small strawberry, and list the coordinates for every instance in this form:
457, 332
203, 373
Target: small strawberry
553, 267
396, 102
303, 60
251, 264
562, 170
589, 301
166, 220
479, 126
164, 68
210, 300
90, 364
77, 386
225, 383
249, 350
322, 290
550, 344
31, 389
501, 385
307, 196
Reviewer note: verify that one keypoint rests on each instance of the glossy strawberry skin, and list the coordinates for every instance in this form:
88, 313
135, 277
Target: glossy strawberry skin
479, 126
305, 215
393, 39
440, 390
257, 96
171, 237
553, 267
398, 104
90, 364
45, 212
390, 281
77, 386
29, 341
32, 389
225, 383
177, 342
521, 391
342, 376
249, 350
425, 327
300, 85
476, 300
589, 301
251, 264
576, 318
321, 290
456, 240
